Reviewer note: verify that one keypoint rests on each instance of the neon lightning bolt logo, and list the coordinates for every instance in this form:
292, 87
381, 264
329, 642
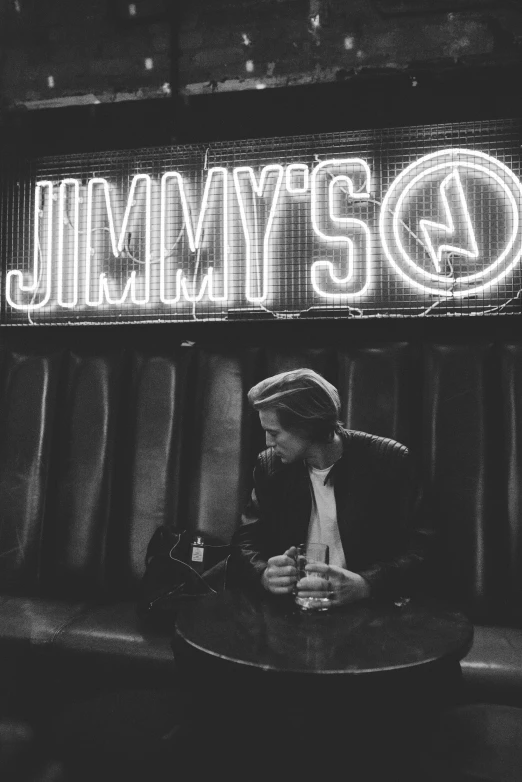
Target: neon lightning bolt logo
476, 240
429, 228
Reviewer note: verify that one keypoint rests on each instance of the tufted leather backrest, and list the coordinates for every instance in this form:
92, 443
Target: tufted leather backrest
28, 387
510, 477
220, 437
100, 445
79, 500
152, 470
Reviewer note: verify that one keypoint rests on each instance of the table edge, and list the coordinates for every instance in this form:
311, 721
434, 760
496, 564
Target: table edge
333, 671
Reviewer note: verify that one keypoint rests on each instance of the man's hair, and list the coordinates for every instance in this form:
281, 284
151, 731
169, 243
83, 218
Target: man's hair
304, 401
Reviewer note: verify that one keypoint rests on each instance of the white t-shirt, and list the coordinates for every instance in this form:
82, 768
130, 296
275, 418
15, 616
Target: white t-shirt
323, 526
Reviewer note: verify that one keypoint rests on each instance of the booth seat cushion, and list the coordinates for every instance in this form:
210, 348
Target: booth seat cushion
113, 633
492, 669
33, 620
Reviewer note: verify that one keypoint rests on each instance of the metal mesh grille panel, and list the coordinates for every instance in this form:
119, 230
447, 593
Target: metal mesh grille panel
421, 221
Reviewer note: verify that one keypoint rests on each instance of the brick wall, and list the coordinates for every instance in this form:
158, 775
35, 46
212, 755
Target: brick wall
245, 44
73, 51
57, 52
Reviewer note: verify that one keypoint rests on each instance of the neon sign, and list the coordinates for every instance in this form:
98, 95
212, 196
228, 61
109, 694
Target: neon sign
453, 165
342, 286
194, 238
281, 236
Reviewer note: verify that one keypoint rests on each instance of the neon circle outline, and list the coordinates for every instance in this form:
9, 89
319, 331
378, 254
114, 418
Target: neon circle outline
385, 208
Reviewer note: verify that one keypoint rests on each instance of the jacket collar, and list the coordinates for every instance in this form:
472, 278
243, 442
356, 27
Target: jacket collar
302, 467
342, 461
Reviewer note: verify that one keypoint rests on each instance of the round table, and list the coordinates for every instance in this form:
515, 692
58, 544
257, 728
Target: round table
367, 638
350, 689
347, 690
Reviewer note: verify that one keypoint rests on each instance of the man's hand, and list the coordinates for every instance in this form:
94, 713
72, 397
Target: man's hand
281, 574
342, 586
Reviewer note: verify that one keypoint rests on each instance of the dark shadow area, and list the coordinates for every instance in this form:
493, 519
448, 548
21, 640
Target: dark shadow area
455, 93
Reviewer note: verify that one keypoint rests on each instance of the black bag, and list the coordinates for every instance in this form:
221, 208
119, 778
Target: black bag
170, 580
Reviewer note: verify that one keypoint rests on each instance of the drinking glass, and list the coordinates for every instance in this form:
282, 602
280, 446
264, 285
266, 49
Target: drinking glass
306, 554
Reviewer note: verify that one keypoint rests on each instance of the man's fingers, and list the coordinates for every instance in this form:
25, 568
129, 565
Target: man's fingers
281, 561
273, 571
288, 570
313, 584
284, 560
282, 580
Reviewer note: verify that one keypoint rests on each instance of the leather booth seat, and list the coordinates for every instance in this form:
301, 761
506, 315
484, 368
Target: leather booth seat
102, 441
113, 631
493, 667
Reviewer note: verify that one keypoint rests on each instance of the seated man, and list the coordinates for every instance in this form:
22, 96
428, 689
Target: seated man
319, 482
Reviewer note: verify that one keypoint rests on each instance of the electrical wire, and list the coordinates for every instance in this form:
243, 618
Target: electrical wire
189, 567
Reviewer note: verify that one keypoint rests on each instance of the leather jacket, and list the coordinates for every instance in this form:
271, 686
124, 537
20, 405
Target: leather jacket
385, 532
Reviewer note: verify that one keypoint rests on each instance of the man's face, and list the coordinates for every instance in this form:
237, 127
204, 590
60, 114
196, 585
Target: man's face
289, 446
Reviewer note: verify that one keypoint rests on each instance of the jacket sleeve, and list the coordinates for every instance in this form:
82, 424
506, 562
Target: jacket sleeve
408, 568
248, 556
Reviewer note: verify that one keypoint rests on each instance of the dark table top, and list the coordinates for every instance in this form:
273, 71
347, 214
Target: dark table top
368, 637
